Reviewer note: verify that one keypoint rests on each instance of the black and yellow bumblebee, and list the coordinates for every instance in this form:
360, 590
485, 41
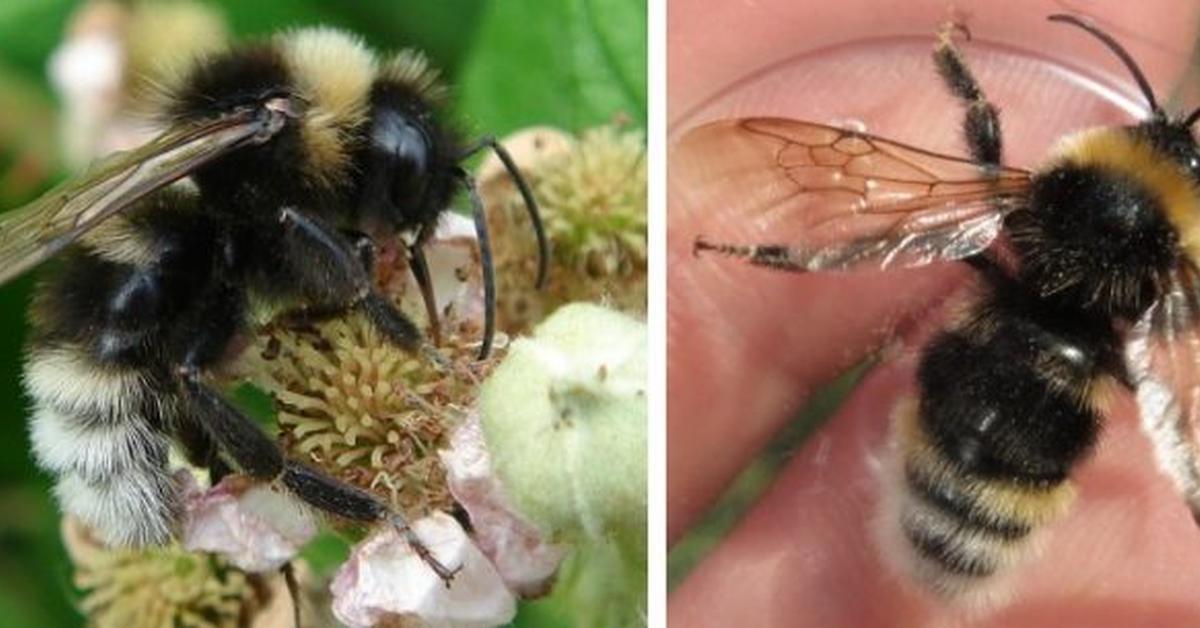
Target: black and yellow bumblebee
283, 164
1089, 270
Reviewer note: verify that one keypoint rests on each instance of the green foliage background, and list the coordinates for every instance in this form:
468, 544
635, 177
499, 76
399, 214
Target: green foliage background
514, 63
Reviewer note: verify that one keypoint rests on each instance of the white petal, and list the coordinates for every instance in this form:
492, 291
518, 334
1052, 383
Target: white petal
521, 555
385, 578
453, 257
257, 528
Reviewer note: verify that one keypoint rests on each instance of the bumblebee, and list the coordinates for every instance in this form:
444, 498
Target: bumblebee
1089, 281
283, 164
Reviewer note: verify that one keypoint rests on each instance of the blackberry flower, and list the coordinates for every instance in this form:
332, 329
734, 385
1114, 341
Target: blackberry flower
592, 193
166, 587
366, 411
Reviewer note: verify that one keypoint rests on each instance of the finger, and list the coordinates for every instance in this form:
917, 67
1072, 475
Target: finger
808, 553
745, 345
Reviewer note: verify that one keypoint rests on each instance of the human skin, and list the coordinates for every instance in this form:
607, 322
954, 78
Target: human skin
746, 346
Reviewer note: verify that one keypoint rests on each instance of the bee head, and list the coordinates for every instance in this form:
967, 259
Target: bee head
1172, 139
409, 163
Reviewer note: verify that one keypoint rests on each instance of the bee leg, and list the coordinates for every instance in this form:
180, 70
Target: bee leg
981, 127
308, 315
304, 317
364, 249
288, 571
200, 450
259, 457
338, 279
460, 514
237, 435
330, 495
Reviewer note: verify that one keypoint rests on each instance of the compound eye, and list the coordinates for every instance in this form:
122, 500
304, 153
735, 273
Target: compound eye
404, 146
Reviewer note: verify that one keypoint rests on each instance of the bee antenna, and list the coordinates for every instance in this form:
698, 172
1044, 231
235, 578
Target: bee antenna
531, 205
293, 589
1117, 50
485, 261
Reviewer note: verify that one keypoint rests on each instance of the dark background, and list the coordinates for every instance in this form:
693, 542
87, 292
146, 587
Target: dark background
512, 63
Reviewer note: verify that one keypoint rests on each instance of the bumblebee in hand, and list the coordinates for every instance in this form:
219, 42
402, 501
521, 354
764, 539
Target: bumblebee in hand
284, 164
1088, 267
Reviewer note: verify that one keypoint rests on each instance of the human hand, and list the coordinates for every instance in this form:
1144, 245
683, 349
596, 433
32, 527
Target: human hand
746, 345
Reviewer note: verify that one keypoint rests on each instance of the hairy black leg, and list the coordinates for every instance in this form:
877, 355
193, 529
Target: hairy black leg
200, 449
293, 587
364, 249
308, 315
237, 435
259, 457
982, 124
330, 495
336, 278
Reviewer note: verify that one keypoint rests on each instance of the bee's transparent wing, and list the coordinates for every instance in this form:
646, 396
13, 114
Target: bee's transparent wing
841, 199
1163, 357
35, 232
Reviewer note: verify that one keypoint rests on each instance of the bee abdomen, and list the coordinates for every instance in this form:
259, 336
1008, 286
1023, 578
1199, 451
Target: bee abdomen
966, 506
1007, 409
91, 428
961, 530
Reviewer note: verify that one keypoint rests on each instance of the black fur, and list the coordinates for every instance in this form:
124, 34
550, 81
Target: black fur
240, 78
987, 403
1071, 210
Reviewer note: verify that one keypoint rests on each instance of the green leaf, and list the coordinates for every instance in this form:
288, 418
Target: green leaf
440, 29
570, 64
29, 30
257, 404
326, 553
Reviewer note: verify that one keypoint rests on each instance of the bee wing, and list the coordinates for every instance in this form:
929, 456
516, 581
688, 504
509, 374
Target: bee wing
1162, 355
35, 232
843, 199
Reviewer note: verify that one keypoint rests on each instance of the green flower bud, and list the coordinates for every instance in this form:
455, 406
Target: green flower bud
564, 416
